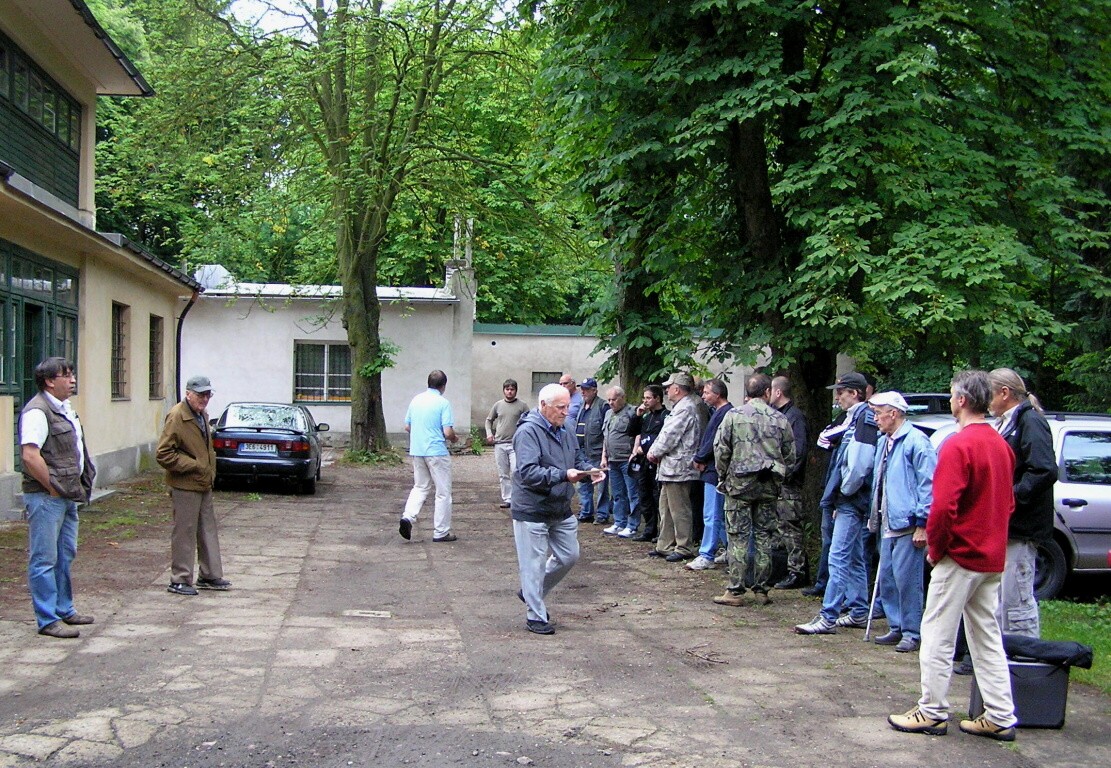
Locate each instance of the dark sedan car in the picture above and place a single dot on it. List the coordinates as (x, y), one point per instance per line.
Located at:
(268, 440)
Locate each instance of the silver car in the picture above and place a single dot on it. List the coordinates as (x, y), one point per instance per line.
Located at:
(1081, 499)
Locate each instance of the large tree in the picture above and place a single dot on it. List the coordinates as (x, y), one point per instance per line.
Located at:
(813, 178)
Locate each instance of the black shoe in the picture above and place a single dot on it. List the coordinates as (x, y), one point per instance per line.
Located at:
(539, 627)
(656, 553)
(181, 589)
(405, 528)
(646, 536)
(585, 518)
(603, 521)
(447, 537)
(793, 581)
(676, 557)
(504, 505)
(814, 592)
(891, 638)
(220, 584)
(964, 668)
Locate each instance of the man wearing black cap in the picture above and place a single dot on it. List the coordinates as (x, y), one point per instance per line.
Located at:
(185, 451)
(849, 492)
(588, 429)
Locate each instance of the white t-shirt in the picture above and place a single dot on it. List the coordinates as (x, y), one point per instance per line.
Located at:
(34, 429)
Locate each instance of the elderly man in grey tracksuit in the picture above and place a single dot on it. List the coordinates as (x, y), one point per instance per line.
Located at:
(549, 464)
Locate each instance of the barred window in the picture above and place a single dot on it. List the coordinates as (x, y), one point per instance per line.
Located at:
(542, 378)
(120, 331)
(156, 391)
(321, 372)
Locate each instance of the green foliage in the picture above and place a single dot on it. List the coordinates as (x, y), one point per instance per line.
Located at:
(387, 352)
(872, 177)
(385, 458)
(476, 440)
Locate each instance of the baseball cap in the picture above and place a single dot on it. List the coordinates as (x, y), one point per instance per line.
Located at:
(851, 380)
(589, 384)
(199, 384)
(682, 379)
(892, 399)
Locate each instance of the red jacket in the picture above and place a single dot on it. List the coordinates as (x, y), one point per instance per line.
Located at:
(973, 500)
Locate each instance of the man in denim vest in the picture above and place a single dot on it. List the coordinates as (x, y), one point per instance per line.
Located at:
(57, 475)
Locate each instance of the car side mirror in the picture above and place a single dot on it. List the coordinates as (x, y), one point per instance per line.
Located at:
(322, 427)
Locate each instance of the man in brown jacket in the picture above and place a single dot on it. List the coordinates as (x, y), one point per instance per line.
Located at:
(185, 451)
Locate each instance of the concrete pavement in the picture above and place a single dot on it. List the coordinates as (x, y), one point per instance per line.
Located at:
(340, 644)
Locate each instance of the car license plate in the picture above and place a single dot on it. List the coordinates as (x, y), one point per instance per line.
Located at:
(258, 448)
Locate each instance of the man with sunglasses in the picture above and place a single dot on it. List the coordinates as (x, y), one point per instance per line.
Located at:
(185, 451)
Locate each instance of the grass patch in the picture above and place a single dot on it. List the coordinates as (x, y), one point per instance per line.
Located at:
(390, 457)
(117, 525)
(1088, 623)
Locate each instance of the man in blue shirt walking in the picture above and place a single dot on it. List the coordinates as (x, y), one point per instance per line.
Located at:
(430, 425)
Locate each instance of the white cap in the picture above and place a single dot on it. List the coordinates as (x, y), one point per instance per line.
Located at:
(892, 399)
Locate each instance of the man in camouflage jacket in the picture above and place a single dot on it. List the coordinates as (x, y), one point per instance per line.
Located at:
(753, 450)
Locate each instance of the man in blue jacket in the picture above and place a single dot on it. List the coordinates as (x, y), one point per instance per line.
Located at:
(902, 491)
(549, 464)
(716, 395)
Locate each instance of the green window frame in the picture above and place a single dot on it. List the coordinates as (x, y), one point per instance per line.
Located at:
(321, 372)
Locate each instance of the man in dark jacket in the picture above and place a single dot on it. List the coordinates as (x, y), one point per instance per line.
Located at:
(646, 426)
(789, 508)
(589, 431)
(716, 396)
(1022, 425)
(57, 475)
(549, 463)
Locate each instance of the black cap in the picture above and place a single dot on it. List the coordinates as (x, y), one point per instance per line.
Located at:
(851, 380)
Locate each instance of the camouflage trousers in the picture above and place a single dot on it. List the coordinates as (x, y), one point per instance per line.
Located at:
(742, 519)
(789, 529)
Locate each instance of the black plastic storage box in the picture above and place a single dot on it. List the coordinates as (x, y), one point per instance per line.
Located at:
(1039, 690)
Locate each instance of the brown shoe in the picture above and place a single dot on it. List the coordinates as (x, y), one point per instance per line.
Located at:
(764, 598)
(77, 618)
(58, 629)
(729, 598)
(981, 726)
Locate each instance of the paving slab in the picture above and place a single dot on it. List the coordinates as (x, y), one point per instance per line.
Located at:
(341, 644)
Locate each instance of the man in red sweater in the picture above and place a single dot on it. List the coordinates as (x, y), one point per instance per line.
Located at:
(966, 536)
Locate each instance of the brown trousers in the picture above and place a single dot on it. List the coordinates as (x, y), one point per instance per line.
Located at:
(194, 534)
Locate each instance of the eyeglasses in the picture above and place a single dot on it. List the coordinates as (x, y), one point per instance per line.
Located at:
(202, 395)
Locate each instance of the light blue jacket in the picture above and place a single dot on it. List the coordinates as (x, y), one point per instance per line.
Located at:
(909, 481)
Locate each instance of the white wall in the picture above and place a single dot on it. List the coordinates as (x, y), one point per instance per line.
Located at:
(246, 347)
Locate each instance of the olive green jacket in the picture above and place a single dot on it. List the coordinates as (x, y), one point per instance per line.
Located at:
(185, 452)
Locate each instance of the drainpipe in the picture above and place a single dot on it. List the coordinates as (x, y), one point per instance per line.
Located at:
(177, 345)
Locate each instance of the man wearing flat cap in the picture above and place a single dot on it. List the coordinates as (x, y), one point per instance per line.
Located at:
(673, 452)
(848, 492)
(185, 451)
(902, 491)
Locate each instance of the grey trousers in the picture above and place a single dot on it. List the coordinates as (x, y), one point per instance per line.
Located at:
(546, 552)
(194, 535)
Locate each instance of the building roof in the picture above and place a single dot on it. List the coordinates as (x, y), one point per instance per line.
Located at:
(512, 329)
(71, 26)
(218, 282)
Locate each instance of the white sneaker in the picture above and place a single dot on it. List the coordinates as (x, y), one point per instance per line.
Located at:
(613, 530)
(722, 558)
(627, 533)
(700, 563)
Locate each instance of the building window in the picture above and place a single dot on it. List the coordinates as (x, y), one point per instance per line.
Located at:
(156, 391)
(321, 372)
(38, 96)
(120, 329)
(542, 378)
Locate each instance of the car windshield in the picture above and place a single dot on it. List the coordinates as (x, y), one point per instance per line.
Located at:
(257, 415)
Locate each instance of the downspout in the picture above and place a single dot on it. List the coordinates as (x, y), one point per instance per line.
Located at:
(177, 350)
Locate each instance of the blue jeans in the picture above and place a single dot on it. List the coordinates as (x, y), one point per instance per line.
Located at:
(623, 489)
(902, 569)
(586, 501)
(52, 541)
(545, 553)
(713, 521)
(827, 539)
(848, 575)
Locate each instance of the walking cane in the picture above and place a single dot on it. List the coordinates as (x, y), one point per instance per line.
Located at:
(872, 606)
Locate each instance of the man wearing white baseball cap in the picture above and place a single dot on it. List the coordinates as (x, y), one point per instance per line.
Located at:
(902, 490)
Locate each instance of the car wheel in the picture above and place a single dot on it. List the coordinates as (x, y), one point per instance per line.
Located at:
(308, 487)
(1050, 571)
